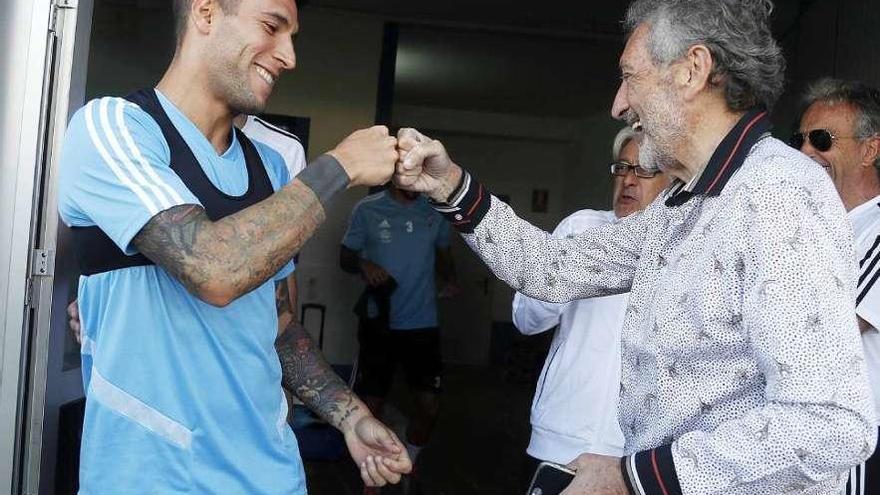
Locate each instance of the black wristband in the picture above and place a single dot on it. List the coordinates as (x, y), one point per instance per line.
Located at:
(325, 177)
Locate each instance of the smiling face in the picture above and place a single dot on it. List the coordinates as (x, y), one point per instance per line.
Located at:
(647, 101)
(632, 193)
(842, 161)
(248, 50)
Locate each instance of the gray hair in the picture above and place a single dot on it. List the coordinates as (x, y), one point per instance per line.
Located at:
(624, 135)
(748, 63)
(863, 97)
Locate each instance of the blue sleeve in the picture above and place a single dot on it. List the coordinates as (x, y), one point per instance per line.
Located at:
(356, 236)
(114, 171)
(279, 176)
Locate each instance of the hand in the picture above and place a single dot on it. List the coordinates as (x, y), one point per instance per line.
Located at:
(75, 328)
(596, 475)
(373, 274)
(425, 166)
(368, 156)
(377, 451)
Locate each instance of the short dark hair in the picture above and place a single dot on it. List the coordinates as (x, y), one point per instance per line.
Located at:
(181, 13)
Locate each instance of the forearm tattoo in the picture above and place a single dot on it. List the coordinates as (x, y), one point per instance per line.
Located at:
(240, 251)
(305, 373)
(282, 299)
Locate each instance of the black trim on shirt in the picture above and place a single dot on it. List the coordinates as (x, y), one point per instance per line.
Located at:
(654, 472)
(467, 206)
(727, 158)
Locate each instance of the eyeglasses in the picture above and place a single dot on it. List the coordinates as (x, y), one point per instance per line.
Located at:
(821, 139)
(622, 168)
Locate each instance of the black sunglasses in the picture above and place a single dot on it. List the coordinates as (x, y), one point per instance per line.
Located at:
(821, 139)
(622, 168)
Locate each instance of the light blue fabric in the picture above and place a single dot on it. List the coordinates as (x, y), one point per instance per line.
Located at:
(403, 239)
(182, 396)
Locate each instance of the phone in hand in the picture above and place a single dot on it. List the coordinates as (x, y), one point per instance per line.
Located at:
(550, 479)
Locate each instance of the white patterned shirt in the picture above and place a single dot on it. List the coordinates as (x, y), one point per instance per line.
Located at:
(742, 369)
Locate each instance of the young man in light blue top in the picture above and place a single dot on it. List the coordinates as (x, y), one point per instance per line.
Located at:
(393, 240)
(186, 226)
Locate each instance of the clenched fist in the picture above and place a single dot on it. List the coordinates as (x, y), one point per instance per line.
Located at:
(368, 156)
(425, 166)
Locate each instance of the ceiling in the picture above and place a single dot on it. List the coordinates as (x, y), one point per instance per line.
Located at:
(551, 58)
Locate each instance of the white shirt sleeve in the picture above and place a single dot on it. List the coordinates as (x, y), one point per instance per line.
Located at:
(533, 316)
(598, 262)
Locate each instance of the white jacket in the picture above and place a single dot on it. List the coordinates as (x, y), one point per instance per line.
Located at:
(575, 405)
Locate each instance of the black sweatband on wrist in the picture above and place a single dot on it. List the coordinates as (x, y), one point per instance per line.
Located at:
(325, 177)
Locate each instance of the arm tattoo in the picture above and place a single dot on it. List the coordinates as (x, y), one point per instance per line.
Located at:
(234, 254)
(305, 373)
(168, 239)
(282, 298)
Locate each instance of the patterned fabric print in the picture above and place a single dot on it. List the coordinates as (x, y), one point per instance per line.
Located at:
(740, 344)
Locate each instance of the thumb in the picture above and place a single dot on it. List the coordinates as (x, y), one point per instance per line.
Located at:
(386, 439)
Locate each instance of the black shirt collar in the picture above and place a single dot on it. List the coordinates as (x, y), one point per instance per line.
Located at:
(726, 160)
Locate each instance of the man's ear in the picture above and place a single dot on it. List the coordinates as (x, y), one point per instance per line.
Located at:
(202, 13)
(870, 151)
(694, 72)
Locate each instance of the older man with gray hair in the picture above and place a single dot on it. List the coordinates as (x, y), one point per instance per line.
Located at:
(840, 130)
(742, 371)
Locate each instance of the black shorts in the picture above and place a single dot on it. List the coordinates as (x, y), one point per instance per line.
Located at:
(382, 349)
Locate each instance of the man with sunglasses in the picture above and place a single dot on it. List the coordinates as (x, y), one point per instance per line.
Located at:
(840, 130)
(575, 405)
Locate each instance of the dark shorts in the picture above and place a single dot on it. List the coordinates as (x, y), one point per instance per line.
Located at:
(382, 350)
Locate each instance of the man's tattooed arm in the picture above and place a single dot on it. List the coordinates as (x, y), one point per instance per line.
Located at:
(219, 261)
(286, 314)
(305, 373)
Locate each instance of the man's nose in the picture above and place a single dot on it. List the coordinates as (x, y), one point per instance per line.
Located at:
(620, 105)
(630, 179)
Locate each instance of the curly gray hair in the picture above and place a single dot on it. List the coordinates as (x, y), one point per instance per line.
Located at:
(864, 98)
(748, 63)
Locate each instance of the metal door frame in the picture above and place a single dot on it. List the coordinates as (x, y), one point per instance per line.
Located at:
(44, 77)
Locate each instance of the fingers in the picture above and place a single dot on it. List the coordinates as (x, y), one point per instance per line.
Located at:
(402, 464)
(408, 138)
(370, 473)
(382, 438)
(416, 156)
(73, 314)
(390, 442)
(384, 470)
